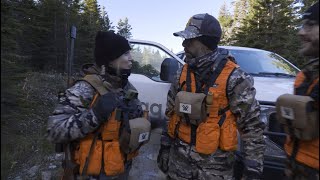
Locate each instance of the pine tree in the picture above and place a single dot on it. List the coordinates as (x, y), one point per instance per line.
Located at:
(305, 4)
(241, 10)
(124, 28)
(9, 27)
(90, 24)
(270, 25)
(39, 31)
(49, 35)
(226, 21)
(106, 23)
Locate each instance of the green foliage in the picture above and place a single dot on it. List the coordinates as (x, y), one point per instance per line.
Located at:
(265, 24)
(143, 58)
(106, 23)
(35, 37)
(226, 20)
(40, 30)
(124, 28)
(27, 106)
(305, 4)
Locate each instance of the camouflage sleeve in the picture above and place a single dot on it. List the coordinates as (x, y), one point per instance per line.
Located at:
(165, 138)
(72, 118)
(137, 106)
(136, 103)
(243, 104)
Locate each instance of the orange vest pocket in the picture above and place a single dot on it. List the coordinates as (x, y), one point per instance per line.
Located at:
(308, 152)
(228, 135)
(111, 130)
(184, 132)
(95, 159)
(113, 159)
(207, 140)
(172, 125)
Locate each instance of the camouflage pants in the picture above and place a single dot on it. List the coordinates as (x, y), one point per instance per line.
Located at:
(300, 172)
(186, 164)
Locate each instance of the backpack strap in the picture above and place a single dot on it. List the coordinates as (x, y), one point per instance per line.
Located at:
(188, 81)
(96, 82)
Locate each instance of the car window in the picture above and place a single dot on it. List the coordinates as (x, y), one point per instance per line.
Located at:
(181, 55)
(147, 60)
(262, 62)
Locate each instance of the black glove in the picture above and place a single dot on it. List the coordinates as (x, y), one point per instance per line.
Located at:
(105, 105)
(163, 158)
(238, 166)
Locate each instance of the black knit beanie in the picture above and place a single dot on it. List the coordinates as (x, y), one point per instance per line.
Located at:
(109, 46)
(210, 42)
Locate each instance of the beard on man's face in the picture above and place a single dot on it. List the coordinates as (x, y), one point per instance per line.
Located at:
(188, 54)
(309, 47)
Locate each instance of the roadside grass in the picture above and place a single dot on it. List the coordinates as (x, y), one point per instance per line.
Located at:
(27, 99)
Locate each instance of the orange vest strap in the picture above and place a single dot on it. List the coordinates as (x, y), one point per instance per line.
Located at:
(94, 99)
(299, 79)
(314, 83)
(187, 78)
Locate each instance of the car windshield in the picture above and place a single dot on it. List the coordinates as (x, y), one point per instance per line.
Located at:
(263, 63)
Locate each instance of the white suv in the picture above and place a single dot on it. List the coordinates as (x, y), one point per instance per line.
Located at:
(154, 66)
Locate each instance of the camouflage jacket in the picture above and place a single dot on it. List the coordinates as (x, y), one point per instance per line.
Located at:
(72, 119)
(241, 95)
(311, 69)
(311, 72)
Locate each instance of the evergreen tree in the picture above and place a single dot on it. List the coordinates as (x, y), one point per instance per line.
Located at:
(124, 28)
(305, 4)
(90, 24)
(10, 27)
(241, 10)
(106, 23)
(270, 25)
(49, 35)
(226, 21)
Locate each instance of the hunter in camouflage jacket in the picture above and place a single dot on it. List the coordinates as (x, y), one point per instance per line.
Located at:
(186, 163)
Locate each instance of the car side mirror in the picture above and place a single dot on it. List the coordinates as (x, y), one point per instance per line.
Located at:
(169, 68)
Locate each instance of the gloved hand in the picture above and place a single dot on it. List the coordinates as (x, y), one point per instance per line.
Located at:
(105, 105)
(238, 166)
(163, 158)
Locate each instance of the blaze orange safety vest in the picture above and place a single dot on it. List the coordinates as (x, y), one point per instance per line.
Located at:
(219, 129)
(308, 151)
(105, 152)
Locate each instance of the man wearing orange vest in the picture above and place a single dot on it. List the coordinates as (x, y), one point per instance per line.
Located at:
(93, 115)
(211, 100)
(303, 151)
